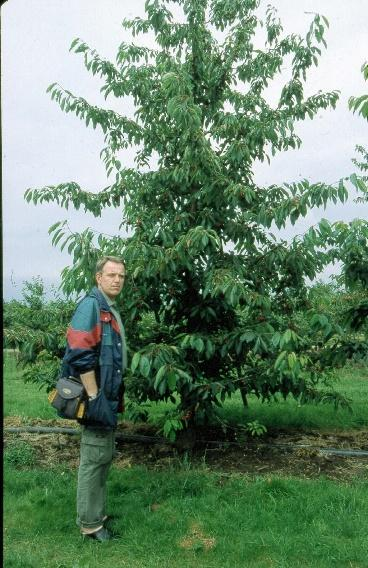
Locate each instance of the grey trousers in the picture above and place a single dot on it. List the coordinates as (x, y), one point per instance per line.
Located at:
(96, 454)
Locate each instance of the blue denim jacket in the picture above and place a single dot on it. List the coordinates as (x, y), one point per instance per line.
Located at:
(94, 343)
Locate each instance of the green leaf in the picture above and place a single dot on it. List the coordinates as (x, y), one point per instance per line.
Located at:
(248, 336)
(184, 375)
(50, 87)
(135, 361)
(292, 360)
(325, 227)
(74, 43)
(276, 339)
(199, 344)
(159, 376)
(280, 360)
(54, 226)
(144, 365)
(285, 338)
(171, 379)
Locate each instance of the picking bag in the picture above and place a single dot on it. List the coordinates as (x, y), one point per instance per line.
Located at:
(68, 398)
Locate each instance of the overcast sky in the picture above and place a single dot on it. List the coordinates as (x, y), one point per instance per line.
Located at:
(43, 146)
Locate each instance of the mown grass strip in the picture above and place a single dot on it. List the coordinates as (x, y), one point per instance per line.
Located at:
(188, 518)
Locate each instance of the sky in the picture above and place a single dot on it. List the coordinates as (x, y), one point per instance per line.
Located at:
(42, 146)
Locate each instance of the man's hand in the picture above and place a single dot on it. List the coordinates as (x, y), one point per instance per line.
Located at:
(89, 382)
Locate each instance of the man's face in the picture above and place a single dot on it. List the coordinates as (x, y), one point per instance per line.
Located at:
(111, 279)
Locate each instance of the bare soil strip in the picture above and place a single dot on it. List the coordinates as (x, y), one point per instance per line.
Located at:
(279, 453)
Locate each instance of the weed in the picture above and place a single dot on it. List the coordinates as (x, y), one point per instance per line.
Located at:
(255, 428)
(19, 454)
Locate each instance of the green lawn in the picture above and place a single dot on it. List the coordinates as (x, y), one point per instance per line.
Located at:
(352, 382)
(188, 518)
(22, 399)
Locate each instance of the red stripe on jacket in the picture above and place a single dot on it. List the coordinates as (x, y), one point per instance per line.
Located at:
(107, 316)
(78, 339)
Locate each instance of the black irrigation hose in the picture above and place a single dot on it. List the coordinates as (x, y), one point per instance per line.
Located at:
(75, 431)
(156, 439)
(290, 447)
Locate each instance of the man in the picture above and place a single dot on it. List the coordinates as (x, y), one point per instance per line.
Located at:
(96, 352)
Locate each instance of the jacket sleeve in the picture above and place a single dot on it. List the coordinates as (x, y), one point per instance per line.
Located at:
(84, 337)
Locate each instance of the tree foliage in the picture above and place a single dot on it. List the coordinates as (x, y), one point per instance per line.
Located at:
(356, 251)
(36, 328)
(360, 104)
(213, 299)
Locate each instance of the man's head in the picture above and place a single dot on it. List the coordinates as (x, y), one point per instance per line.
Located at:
(110, 275)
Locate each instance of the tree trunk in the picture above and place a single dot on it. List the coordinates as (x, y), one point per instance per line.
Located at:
(243, 392)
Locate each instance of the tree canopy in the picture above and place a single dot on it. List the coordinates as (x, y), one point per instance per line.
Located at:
(214, 297)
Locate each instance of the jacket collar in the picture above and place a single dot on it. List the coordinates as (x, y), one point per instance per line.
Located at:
(96, 293)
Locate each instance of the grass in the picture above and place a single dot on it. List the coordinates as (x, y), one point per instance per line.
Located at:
(352, 382)
(27, 401)
(188, 518)
(23, 399)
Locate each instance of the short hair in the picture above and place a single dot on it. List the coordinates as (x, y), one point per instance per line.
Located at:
(102, 261)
